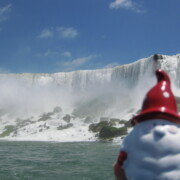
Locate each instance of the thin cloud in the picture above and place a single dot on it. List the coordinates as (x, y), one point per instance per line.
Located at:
(76, 63)
(54, 53)
(67, 54)
(4, 12)
(49, 53)
(112, 65)
(125, 4)
(121, 4)
(67, 32)
(46, 33)
(58, 32)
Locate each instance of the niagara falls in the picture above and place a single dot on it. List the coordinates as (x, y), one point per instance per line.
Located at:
(62, 106)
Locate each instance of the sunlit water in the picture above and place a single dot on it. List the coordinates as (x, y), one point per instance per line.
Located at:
(57, 161)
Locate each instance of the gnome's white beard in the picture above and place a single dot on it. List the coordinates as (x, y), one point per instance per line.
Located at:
(153, 149)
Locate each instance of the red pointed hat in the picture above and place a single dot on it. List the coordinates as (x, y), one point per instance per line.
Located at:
(159, 102)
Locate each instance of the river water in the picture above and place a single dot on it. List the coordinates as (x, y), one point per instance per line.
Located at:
(57, 161)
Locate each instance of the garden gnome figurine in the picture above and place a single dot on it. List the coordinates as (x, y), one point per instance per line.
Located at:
(151, 151)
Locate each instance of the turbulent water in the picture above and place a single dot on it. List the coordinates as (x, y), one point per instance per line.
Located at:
(57, 161)
(61, 106)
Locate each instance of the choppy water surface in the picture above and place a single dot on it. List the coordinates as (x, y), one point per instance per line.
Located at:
(57, 161)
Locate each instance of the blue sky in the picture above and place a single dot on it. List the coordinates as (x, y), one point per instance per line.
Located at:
(47, 36)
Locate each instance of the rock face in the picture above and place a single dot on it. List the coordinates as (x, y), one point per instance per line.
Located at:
(97, 127)
(67, 118)
(65, 126)
(8, 130)
(157, 56)
(105, 130)
(111, 132)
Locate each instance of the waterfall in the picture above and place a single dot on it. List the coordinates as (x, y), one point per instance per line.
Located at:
(83, 80)
(32, 103)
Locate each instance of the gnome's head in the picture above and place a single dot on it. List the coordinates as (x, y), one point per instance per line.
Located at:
(159, 102)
